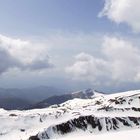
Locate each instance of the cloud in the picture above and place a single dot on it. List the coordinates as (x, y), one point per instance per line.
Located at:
(86, 67)
(123, 11)
(7, 61)
(24, 55)
(119, 61)
(39, 64)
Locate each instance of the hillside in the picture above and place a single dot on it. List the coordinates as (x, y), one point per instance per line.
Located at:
(101, 115)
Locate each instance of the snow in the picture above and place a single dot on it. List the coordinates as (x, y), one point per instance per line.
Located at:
(121, 135)
(20, 125)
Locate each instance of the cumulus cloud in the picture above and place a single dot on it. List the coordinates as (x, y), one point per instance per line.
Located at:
(24, 55)
(86, 67)
(7, 61)
(120, 62)
(123, 11)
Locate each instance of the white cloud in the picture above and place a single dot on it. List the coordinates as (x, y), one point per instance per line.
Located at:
(86, 67)
(123, 11)
(62, 46)
(22, 54)
(120, 62)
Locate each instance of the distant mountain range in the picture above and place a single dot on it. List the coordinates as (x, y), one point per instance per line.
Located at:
(38, 97)
(14, 98)
(10, 103)
(58, 99)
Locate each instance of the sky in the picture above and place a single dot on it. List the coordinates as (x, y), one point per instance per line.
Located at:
(73, 44)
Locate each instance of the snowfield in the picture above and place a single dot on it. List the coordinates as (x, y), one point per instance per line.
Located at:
(114, 116)
(122, 135)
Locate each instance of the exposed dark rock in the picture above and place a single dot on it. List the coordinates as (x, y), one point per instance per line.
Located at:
(12, 115)
(123, 120)
(22, 130)
(135, 120)
(34, 138)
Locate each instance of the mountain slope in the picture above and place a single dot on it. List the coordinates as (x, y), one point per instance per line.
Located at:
(84, 94)
(10, 103)
(125, 135)
(34, 94)
(99, 115)
(23, 98)
(90, 124)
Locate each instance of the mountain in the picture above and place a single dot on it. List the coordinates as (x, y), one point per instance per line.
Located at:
(39, 93)
(11, 103)
(83, 94)
(96, 117)
(120, 135)
(14, 98)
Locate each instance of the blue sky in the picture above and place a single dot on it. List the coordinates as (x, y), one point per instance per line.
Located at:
(38, 17)
(28, 17)
(68, 45)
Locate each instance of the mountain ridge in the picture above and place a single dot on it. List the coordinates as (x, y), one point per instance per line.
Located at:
(58, 99)
(100, 114)
(30, 96)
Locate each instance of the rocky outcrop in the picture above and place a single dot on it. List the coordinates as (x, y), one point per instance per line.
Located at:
(89, 123)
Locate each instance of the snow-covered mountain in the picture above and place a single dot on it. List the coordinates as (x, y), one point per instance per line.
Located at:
(58, 99)
(100, 115)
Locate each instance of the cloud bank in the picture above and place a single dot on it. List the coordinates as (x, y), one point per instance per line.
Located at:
(24, 55)
(123, 11)
(119, 61)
